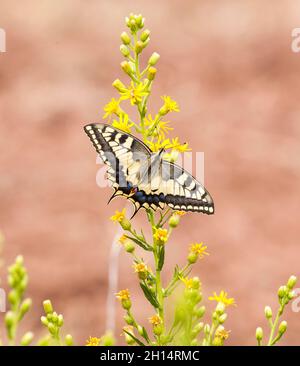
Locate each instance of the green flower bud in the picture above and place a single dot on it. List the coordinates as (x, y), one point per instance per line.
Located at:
(281, 292)
(197, 329)
(282, 327)
(128, 339)
(174, 219)
(196, 283)
(54, 317)
(51, 328)
(125, 38)
(291, 295)
(291, 282)
(139, 21)
(200, 312)
(151, 76)
(126, 67)
(222, 318)
(220, 308)
(9, 319)
(25, 307)
(20, 260)
(44, 321)
(128, 319)
(129, 246)
(145, 35)
(13, 297)
(26, 339)
(140, 330)
(119, 85)
(153, 59)
(108, 339)
(192, 257)
(139, 47)
(126, 304)
(60, 320)
(126, 224)
(268, 312)
(47, 306)
(259, 334)
(124, 50)
(158, 329)
(69, 340)
(206, 329)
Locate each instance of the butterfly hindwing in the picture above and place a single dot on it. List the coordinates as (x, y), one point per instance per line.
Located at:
(134, 175)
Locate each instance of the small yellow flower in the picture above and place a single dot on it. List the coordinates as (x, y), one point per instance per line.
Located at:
(156, 127)
(123, 123)
(188, 282)
(122, 240)
(134, 93)
(180, 213)
(159, 144)
(119, 216)
(123, 295)
(169, 105)
(199, 249)
(155, 320)
(161, 235)
(176, 145)
(112, 107)
(140, 268)
(222, 298)
(93, 341)
(222, 333)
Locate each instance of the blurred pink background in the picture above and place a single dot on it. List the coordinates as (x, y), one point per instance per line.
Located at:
(230, 66)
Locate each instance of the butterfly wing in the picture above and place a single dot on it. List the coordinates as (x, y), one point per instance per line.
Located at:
(124, 155)
(182, 191)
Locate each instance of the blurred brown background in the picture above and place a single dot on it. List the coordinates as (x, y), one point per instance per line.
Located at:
(230, 66)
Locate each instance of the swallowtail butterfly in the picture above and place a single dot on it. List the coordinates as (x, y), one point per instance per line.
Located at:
(143, 176)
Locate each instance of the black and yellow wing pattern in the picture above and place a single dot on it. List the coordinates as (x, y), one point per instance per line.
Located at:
(143, 177)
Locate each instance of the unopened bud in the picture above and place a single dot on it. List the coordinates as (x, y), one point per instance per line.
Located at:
(259, 334)
(126, 67)
(174, 219)
(282, 327)
(47, 306)
(291, 282)
(125, 38)
(26, 339)
(145, 35)
(151, 73)
(69, 340)
(124, 50)
(153, 59)
(268, 312)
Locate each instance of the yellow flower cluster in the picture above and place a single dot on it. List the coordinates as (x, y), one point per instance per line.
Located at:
(123, 295)
(93, 341)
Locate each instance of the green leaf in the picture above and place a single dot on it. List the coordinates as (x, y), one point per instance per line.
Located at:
(149, 296)
(161, 258)
(133, 337)
(140, 243)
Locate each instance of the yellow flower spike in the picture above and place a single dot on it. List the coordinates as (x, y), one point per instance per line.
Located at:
(112, 107)
(161, 235)
(93, 341)
(123, 123)
(119, 216)
(169, 105)
(222, 297)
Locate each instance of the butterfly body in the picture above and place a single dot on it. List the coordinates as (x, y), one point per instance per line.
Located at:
(143, 176)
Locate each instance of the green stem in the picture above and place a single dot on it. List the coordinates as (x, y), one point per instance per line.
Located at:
(275, 323)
